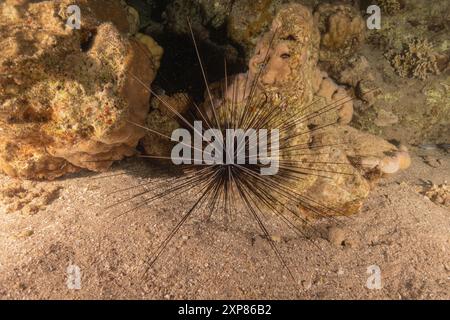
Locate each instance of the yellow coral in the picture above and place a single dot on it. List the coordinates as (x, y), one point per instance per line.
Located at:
(152, 46)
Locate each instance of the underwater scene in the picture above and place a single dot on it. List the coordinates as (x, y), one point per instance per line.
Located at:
(225, 149)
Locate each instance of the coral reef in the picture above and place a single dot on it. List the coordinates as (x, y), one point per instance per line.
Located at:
(216, 12)
(412, 101)
(245, 21)
(68, 96)
(291, 80)
(164, 121)
(420, 19)
(177, 14)
(248, 19)
(389, 6)
(417, 59)
(203, 15)
(343, 32)
(349, 57)
(341, 25)
(416, 114)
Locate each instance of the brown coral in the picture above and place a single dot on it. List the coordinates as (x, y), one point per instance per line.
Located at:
(248, 19)
(390, 6)
(292, 52)
(68, 96)
(416, 60)
(342, 29)
(439, 194)
(165, 122)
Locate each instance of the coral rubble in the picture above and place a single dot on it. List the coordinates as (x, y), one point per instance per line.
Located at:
(439, 194)
(390, 6)
(27, 197)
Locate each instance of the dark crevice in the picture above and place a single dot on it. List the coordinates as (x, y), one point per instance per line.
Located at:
(88, 42)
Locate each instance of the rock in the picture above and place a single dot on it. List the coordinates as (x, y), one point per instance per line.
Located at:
(176, 16)
(164, 121)
(204, 15)
(357, 70)
(385, 118)
(367, 91)
(248, 19)
(216, 12)
(432, 161)
(404, 158)
(69, 95)
(439, 194)
(336, 236)
(343, 31)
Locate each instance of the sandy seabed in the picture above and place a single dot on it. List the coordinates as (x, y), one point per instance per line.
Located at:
(399, 230)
